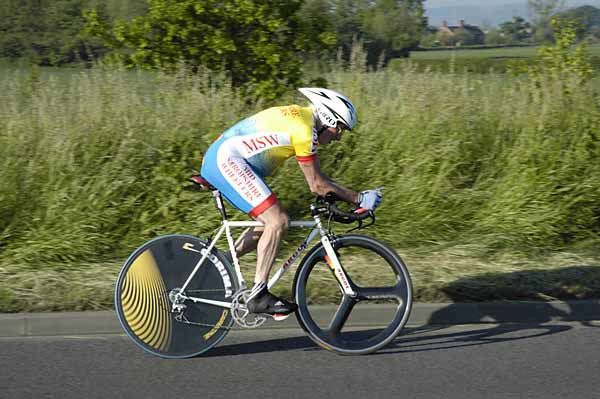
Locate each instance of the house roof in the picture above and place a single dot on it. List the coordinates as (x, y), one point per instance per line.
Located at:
(471, 28)
(462, 25)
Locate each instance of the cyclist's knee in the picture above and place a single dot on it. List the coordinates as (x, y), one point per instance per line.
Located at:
(275, 219)
(278, 223)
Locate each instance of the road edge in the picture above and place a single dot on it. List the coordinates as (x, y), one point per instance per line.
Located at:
(106, 322)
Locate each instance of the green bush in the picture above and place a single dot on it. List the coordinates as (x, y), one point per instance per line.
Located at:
(254, 41)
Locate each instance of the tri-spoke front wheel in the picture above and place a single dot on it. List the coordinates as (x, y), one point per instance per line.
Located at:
(357, 325)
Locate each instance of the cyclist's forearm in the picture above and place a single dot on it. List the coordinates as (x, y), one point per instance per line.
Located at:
(327, 185)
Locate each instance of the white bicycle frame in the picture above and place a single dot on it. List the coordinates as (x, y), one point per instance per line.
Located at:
(317, 228)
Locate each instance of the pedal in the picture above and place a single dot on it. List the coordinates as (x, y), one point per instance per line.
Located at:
(280, 316)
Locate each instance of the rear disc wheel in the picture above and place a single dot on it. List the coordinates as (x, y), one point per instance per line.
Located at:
(150, 283)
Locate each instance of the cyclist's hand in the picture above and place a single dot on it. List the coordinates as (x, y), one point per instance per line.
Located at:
(370, 199)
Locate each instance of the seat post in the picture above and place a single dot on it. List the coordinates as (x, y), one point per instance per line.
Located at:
(219, 203)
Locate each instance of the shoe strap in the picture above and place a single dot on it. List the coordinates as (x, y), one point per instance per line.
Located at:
(257, 289)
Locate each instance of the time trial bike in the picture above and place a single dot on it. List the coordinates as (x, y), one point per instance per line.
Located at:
(178, 296)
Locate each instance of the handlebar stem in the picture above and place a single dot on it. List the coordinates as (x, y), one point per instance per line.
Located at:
(315, 214)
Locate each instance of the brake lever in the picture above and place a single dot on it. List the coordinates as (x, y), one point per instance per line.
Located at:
(360, 223)
(360, 226)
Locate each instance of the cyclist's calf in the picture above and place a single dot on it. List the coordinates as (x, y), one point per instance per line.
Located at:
(276, 224)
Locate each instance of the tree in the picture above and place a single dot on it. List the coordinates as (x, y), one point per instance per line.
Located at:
(392, 28)
(316, 37)
(253, 40)
(495, 36)
(542, 12)
(587, 19)
(429, 39)
(48, 32)
(564, 58)
(544, 9)
(347, 19)
(461, 37)
(517, 29)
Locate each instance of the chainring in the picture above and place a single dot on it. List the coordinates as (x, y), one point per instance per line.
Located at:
(240, 313)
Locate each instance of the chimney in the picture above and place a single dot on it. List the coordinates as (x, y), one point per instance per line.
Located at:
(462, 23)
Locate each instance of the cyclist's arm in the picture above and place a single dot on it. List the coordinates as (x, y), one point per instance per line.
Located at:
(320, 184)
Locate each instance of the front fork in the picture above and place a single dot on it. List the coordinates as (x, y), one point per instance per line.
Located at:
(332, 259)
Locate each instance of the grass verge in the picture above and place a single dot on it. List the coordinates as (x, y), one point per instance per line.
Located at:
(439, 275)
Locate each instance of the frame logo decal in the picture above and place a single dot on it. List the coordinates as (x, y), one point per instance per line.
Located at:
(188, 246)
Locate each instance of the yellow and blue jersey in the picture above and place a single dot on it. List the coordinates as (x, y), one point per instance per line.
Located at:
(270, 137)
(255, 147)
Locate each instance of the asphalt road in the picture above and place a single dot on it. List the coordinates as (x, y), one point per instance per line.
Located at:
(473, 361)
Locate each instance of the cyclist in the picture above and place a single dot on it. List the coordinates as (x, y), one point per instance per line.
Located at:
(237, 162)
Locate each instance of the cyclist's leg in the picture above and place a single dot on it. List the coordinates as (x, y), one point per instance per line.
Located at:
(276, 223)
(246, 190)
(260, 299)
(265, 240)
(248, 241)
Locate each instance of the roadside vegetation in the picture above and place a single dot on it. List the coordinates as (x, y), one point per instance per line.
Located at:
(492, 182)
(502, 175)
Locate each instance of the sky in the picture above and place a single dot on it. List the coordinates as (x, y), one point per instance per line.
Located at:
(449, 3)
(484, 12)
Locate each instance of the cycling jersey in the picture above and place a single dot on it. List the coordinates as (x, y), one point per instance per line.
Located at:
(255, 147)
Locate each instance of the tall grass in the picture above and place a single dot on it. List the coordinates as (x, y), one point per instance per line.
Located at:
(94, 164)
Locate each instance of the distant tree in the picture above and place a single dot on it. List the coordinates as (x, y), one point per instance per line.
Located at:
(388, 28)
(496, 37)
(430, 39)
(544, 9)
(47, 32)
(392, 28)
(587, 19)
(594, 33)
(317, 39)
(255, 41)
(347, 19)
(465, 38)
(460, 37)
(517, 30)
(542, 12)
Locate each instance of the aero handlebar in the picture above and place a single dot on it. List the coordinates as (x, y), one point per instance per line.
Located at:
(357, 215)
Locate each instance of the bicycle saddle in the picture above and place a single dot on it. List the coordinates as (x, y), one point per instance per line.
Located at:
(202, 183)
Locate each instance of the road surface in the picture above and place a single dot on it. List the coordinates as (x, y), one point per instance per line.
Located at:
(560, 360)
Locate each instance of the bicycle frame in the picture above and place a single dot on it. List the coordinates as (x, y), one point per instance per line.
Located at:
(317, 228)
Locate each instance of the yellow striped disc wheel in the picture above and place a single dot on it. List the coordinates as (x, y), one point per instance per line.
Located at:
(145, 288)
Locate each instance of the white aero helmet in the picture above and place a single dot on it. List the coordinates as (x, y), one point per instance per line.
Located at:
(331, 106)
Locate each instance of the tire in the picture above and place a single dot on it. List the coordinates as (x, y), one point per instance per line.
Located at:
(142, 298)
(365, 260)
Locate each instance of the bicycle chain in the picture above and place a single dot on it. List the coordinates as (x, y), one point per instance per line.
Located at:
(186, 321)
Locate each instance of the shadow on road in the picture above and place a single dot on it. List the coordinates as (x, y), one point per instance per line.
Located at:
(568, 283)
(427, 338)
(531, 312)
(265, 346)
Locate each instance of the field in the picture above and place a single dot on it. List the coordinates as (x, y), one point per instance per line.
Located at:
(496, 53)
(492, 183)
(480, 60)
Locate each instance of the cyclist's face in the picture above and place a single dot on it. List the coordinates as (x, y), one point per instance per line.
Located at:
(331, 134)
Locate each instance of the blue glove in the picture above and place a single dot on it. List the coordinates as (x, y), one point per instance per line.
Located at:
(370, 199)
